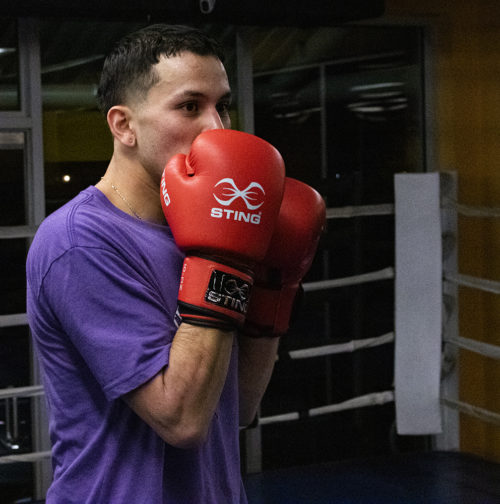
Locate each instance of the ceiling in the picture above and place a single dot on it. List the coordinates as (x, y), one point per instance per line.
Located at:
(254, 12)
(73, 49)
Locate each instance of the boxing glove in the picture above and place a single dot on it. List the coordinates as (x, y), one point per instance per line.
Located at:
(221, 202)
(292, 249)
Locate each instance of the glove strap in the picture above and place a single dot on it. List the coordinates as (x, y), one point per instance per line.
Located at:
(270, 311)
(213, 294)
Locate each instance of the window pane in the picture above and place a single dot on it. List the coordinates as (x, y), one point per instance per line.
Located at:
(373, 130)
(77, 141)
(12, 201)
(13, 274)
(15, 368)
(9, 66)
(344, 107)
(360, 245)
(15, 371)
(288, 114)
(16, 480)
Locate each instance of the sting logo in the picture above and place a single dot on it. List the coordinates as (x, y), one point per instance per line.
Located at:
(231, 192)
(252, 196)
(228, 291)
(166, 197)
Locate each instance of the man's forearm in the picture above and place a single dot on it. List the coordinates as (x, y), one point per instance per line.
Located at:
(180, 401)
(257, 357)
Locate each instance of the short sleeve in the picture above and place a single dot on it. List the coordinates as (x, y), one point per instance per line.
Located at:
(113, 314)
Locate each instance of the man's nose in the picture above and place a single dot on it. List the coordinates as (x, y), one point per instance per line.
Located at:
(212, 120)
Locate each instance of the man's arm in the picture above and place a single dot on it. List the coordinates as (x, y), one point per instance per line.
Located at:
(276, 290)
(257, 357)
(179, 402)
(216, 275)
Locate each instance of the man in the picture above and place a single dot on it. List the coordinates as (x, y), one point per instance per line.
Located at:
(145, 400)
(143, 407)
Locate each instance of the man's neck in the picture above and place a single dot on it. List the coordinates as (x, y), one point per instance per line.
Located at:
(130, 189)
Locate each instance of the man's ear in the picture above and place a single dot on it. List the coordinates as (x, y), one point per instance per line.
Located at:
(119, 124)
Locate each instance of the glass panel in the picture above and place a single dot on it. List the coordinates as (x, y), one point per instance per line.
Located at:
(15, 369)
(77, 142)
(360, 245)
(13, 273)
(288, 114)
(373, 130)
(12, 201)
(344, 107)
(344, 435)
(16, 483)
(16, 480)
(9, 65)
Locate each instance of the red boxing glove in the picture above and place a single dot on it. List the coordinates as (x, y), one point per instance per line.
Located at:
(291, 252)
(221, 202)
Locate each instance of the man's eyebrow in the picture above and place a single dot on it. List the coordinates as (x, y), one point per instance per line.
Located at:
(226, 96)
(198, 94)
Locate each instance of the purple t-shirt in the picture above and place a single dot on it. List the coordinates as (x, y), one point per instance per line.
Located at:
(102, 303)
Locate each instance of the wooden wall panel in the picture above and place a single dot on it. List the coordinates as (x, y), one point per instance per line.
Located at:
(465, 42)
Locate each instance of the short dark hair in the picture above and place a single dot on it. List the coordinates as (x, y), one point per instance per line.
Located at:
(128, 69)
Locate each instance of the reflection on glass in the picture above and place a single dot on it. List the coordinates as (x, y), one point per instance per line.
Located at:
(15, 370)
(373, 130)
(13, 274)
(344, 109)
(77, 142)
(344, 106)
(12, 204)
(9, 66)
(16, 482)
(288, 114)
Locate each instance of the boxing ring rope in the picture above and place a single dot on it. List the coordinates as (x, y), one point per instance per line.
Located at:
(383, 274)
(25, 457)
(14, 392)
(484, 349)
(473, 282)
(17, 393)
(486, 285)
(15, 319)
(471, 410)
(14, 232)
(469, 210)
(368, 400)
(379, 398)
(336, 348)
(374, 399)
(349, 212)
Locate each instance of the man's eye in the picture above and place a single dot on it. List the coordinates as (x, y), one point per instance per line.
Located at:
(223, 108)
(190, 107)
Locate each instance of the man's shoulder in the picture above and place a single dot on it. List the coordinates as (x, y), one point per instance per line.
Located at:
(60, 224)
(60, 231)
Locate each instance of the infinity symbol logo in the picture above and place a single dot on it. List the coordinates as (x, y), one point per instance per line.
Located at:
(232, 288)
(249, 195)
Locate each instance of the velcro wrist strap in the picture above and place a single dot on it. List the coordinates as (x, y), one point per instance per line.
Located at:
(214, 288)
(285, 308)
(270, 309)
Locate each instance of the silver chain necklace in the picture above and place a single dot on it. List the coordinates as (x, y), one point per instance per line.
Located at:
(130, 207)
